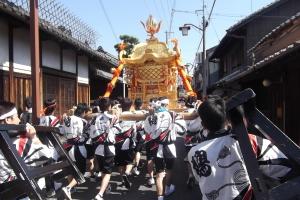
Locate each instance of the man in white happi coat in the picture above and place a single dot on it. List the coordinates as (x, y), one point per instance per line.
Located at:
(72, 128)
(28, 146)
(125, 144)
(140, 135)
(218, 163)
(192, 138)
(102, 129)
(163, 126)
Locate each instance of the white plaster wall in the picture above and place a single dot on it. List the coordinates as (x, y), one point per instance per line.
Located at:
(83, 67)
(51, 54)
(3, 42)
(69, 61)
(21, 47)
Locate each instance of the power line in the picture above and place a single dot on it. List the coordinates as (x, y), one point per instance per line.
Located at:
(147, 7)
(174, 4)
(236, 20)
(159, 16)
(157, 9)
(169, 8)
(164, 12)
(107, 18)
(198, 50)
(210, 22)
(211, 10)
(215, 31)
(171, 21)
(205, 22)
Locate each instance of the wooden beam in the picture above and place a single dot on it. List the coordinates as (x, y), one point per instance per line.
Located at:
(35, 60)
(41, 87)
(141, 117)
(11, 62)
(76, 83)
(60, 97)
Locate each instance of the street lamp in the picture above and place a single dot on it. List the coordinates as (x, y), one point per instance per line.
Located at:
(184, 30)
(187, 67)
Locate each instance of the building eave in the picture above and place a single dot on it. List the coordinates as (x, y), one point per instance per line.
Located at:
(23, 15)
(279, 29)
(237, 75)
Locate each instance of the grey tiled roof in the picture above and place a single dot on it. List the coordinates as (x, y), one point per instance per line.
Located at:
(253, 15)
(247, 70)
(276, 54)
(275, 31)
(23, 14)
(233, 75)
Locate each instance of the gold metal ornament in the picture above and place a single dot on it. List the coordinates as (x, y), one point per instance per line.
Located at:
(151, 26)
(152, 69)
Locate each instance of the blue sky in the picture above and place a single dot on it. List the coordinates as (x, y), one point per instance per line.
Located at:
(125, 17)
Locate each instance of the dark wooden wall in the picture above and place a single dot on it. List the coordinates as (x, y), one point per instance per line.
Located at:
(292, 100)
(264, 24)
(98, 87)
(23, 89)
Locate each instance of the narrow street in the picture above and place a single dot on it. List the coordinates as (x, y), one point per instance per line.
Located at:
(139, 190)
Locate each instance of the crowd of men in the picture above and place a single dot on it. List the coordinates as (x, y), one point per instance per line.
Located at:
(214, 159)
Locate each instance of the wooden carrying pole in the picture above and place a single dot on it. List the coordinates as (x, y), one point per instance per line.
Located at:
(141, 117)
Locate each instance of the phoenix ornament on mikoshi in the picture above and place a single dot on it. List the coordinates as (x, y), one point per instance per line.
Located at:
(151, 26)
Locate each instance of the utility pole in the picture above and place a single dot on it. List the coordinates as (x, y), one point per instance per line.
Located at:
(167, 36)
(204, 58)
(184, 30)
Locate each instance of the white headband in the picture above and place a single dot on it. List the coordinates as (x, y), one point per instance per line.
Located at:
(10, 113)
(165, 101)
(155, 104)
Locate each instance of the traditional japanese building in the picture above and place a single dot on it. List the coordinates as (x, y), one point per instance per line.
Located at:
(261, 52)
(69, 62)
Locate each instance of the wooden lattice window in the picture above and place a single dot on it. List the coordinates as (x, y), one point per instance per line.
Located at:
(63, 90)
(67, 100)
(151, 71)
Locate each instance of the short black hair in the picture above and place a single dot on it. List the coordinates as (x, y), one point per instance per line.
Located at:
(95, 103)
(213, 114)
(113, 102)
(119, 98)
(213, 96)
(48, 103)
(28, 102)
(81, 107)
(104, 104)
(5, 107)
(189, 101)
(126, 103)
(154, 99)
(138, 102)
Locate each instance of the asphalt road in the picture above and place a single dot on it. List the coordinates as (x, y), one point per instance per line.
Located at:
(139, 190)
